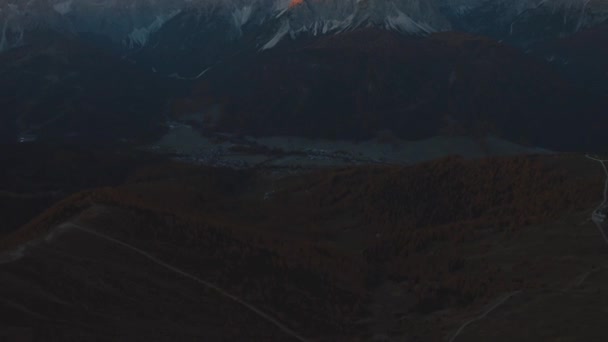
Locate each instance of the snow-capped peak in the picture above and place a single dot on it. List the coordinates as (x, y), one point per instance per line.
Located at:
(140, 35)
(313, 17)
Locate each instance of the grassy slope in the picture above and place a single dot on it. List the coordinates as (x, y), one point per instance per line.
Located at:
(359, 251)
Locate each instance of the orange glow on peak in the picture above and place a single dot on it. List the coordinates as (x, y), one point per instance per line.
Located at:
(295, 3)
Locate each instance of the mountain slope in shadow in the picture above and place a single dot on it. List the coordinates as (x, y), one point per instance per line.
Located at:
(59, 87)
(335, 255)
(449, 83)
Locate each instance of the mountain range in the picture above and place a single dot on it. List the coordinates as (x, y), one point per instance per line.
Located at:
(185, 37)
(323, 170)
(132, 22)
(319, 68)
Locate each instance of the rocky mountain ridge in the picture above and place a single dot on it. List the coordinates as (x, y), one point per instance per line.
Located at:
(131, 24)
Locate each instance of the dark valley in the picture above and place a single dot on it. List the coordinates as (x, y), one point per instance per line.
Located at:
(312, 170)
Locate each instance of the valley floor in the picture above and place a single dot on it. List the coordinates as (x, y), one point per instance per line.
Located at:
(189, 145)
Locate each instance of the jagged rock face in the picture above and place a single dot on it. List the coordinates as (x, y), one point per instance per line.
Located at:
(127, 22)
(411, 16)
(202, 36)
(525, 22)
(132, 22)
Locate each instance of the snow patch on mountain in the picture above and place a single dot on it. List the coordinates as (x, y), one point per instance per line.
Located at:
(12, 30)
(324, 26)
(309, 17)
(139, 36)
(242, 15)
(282, 32)
(403, 22)
(280, 7)
(63, 8)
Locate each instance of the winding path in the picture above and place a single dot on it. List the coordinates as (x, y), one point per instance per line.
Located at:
(500, 302)
(207, 284)
(595, 215)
